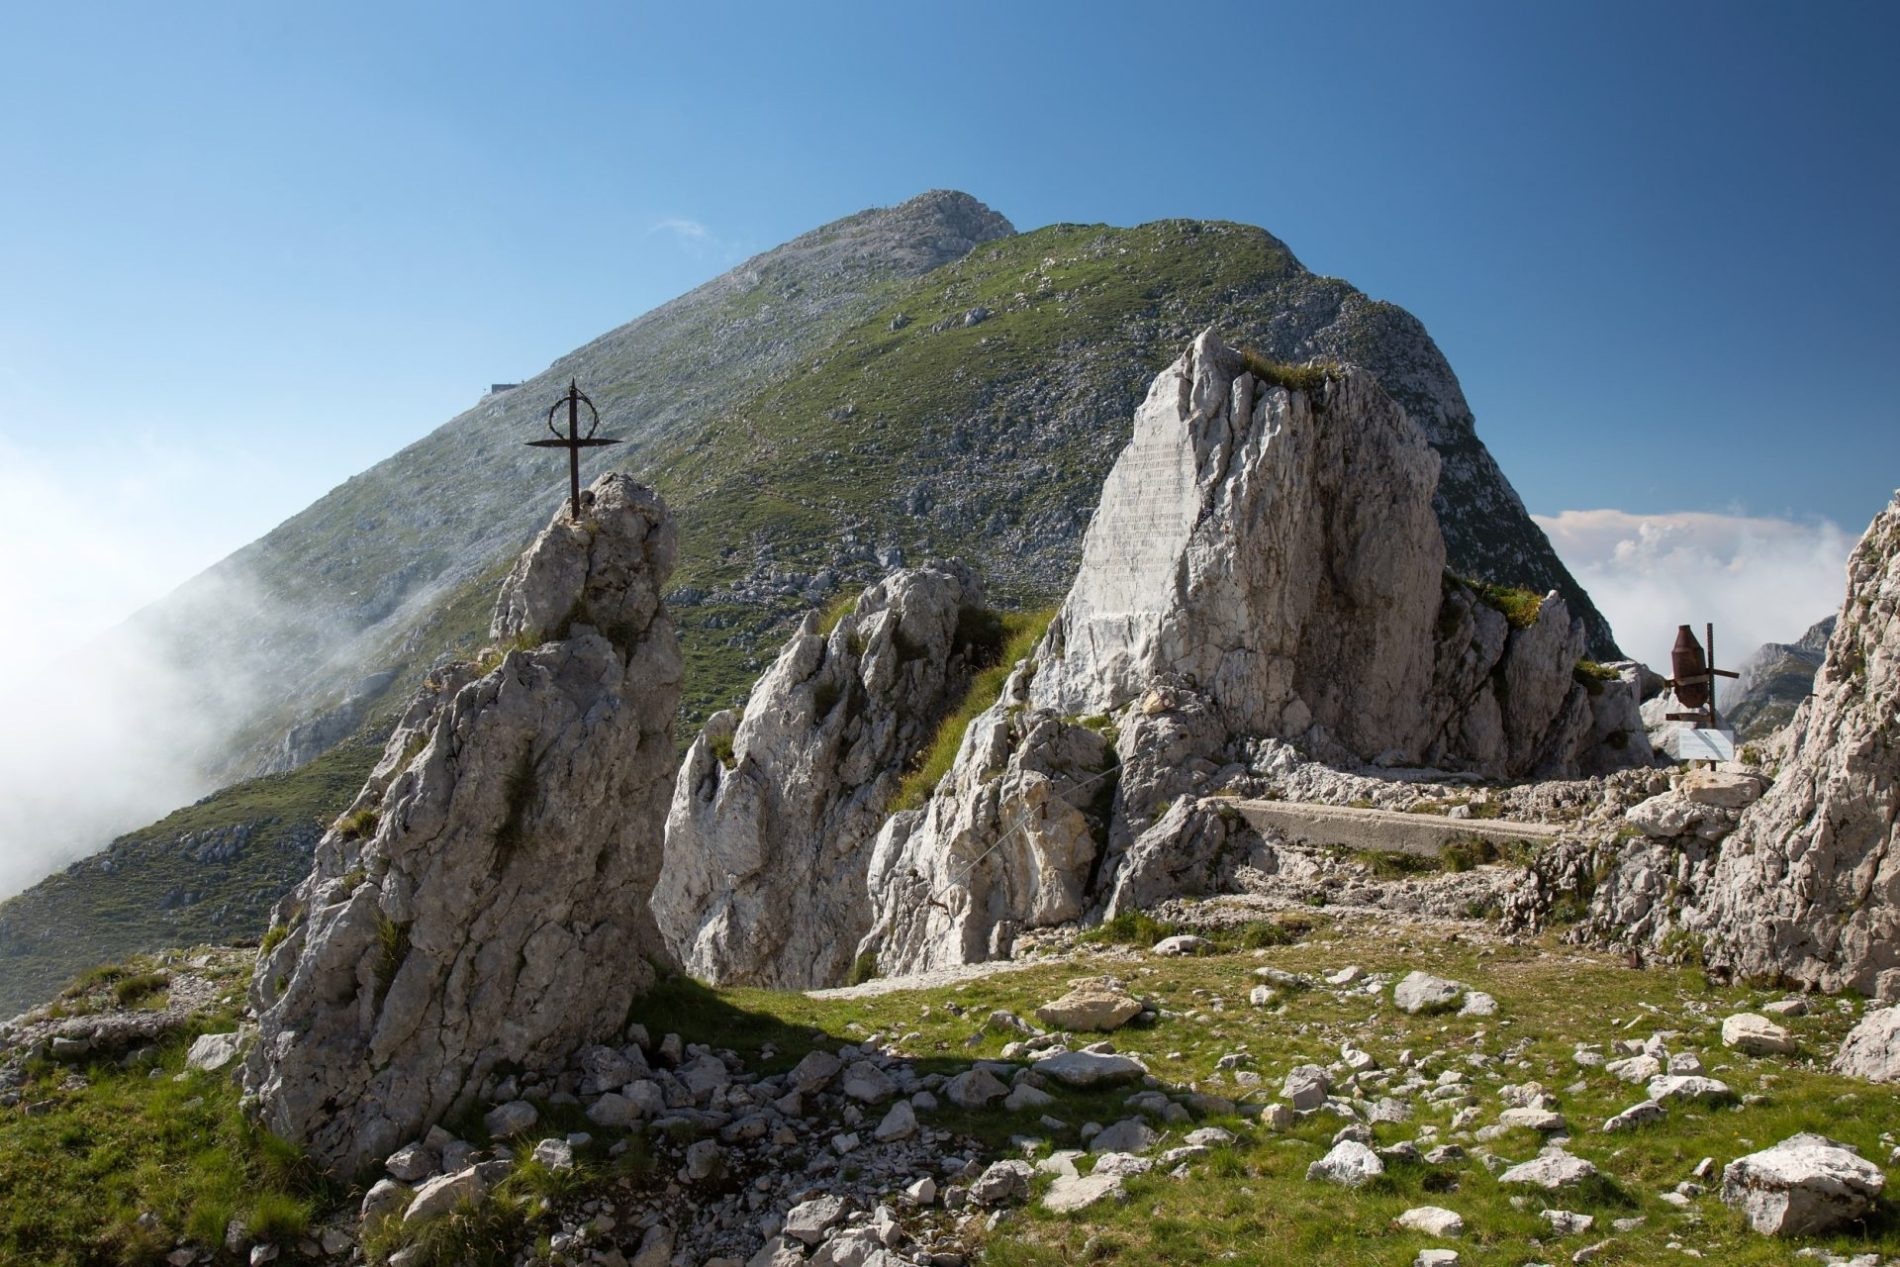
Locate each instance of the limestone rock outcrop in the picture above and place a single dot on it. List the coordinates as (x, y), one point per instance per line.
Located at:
(1265, 564)
(485, 900)
(774, 811)
(1276, 550)
(1808, 886)
(1008, 842)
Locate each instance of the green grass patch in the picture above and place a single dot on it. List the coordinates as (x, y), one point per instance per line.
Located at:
(80, 1170)
(1310, 379)
(134, 990)
(836, 610)
(1015, 636)
(1396, 864)
(360, 825)
(1520, 607)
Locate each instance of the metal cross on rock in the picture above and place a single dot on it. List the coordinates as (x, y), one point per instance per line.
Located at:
(573, 441)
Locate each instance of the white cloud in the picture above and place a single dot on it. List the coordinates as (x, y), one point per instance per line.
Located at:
(692, 230)
(1758, 579)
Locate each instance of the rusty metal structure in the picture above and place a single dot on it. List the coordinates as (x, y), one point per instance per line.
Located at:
(1694, 675)
(574, 441)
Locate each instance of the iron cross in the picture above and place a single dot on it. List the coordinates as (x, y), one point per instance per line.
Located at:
(573, 441)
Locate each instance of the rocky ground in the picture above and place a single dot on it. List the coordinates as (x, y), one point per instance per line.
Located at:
(1375, 1090)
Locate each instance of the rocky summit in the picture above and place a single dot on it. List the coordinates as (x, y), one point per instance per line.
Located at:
(483, 904)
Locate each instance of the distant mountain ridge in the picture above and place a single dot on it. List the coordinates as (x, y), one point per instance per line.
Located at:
(1774, 680)
(904, 383)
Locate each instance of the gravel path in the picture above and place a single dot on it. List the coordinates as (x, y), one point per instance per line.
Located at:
(931, 980)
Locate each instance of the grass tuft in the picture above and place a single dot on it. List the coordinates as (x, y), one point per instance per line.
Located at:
(1020, 632)
(1310, 379)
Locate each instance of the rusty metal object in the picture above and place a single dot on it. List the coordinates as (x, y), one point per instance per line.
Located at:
(1689, 669)
(1694, 680)
(574, 441)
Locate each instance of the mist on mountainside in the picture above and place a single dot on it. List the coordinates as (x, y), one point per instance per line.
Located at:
(101, 737)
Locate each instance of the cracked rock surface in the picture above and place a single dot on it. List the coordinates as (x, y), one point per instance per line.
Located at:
(1808, 886)
(485, 899)
(774, 811)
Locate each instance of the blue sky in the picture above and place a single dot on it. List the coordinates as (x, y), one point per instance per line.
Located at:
(247, 250)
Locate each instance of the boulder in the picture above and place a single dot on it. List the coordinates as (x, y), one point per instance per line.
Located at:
(1078, 1192)
(1003, 1183)
(1640, 1113)
(1432, 1220)
(866, 1083)
(1872, 1049)
(1422, 992)
(1130, 1135)
(517, 1117)
(1754, 1035)
(441, 1195)
(1688, 1087)
(1807, 889)
(775, 810)
(1544, 1121)
(1804, 1186)
(1090, 1007)
(1673, 814)
(1349, 1162)
(1551, 1170)
(484, 900)
(1183, 944)
(210, 1052)
(899, 1123)
(815, 1071)
(1088, 1069)
(808, 1221)
(1306, 1087)
(411, 1164)
(974, 1089)
(1719, 788)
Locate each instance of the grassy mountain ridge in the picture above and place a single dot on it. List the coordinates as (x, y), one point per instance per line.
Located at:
(972, 408)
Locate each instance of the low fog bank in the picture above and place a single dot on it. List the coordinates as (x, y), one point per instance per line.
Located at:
(1759, 579)
(102, 737)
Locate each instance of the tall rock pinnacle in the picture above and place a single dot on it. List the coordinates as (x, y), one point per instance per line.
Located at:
(485, 900)
(1808, 887)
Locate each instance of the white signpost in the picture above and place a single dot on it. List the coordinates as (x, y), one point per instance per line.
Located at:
(1698, 743)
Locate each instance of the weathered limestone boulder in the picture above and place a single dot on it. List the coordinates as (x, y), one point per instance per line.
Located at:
(774, 812)
(1091, 1005)
(1349, 1162)
(485, 899)
(1808, 886)
(1755, 1035)
(1871, 1049)
(1805, 1185)
(1423, 992)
